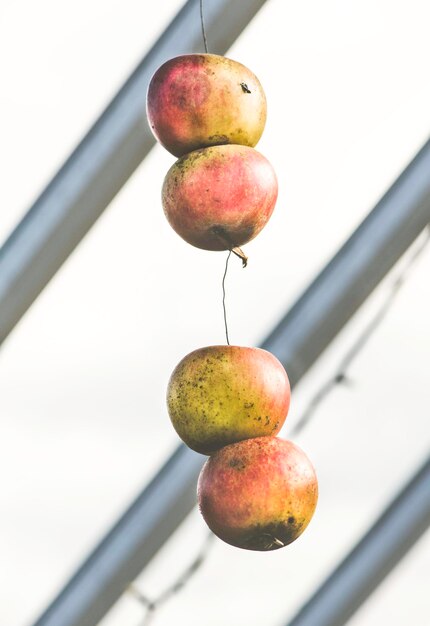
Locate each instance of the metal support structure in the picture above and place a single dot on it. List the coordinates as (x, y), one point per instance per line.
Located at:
(102, 163)
(376, 554)
(131, 543)
(353, 273)
(301, 336)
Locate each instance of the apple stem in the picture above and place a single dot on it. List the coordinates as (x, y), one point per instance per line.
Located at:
(221, 234)
(240, 253)
(278, 542)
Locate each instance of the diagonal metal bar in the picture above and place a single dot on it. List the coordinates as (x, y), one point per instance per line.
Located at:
(350, 277)
(102, 162)
(131, 543)
(306, 330)
(376, 554)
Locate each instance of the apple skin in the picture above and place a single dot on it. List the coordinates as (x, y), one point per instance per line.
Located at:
(198, 100)
(220, 197)
(258, 494)
(218, 395)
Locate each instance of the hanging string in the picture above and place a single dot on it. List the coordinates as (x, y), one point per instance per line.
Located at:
(205, 41)
(223, 297)
(341, 374)
(152, 605)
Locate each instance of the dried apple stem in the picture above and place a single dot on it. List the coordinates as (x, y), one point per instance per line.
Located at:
(221, 234)
(240, 253)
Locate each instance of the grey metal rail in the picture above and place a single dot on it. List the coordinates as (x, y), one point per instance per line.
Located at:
(301, 336)
(375, 555)
(349, 278)
(102, 162)
(130, 545)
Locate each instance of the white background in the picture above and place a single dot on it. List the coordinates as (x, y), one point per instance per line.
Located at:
(83, 423)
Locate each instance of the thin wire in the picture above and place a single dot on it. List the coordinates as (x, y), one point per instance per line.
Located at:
(223, 297)
(341, 375)
(205, 41)
(152, 605)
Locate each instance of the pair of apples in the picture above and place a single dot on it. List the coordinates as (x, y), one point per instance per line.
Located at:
(256, 491)
(210, 111)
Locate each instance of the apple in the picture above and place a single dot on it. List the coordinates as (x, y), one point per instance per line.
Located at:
(199, 100)
(258, 494)
(218, 395)
(220, 197)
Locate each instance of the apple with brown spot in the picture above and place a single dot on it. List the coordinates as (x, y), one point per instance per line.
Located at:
(199, 100)
(220, 197)
(221, 394)
(258, 494)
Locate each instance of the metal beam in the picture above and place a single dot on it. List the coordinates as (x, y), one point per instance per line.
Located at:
(305, 331)
(102, 162)
(131, 544)
(376, 554)
(351, 276)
